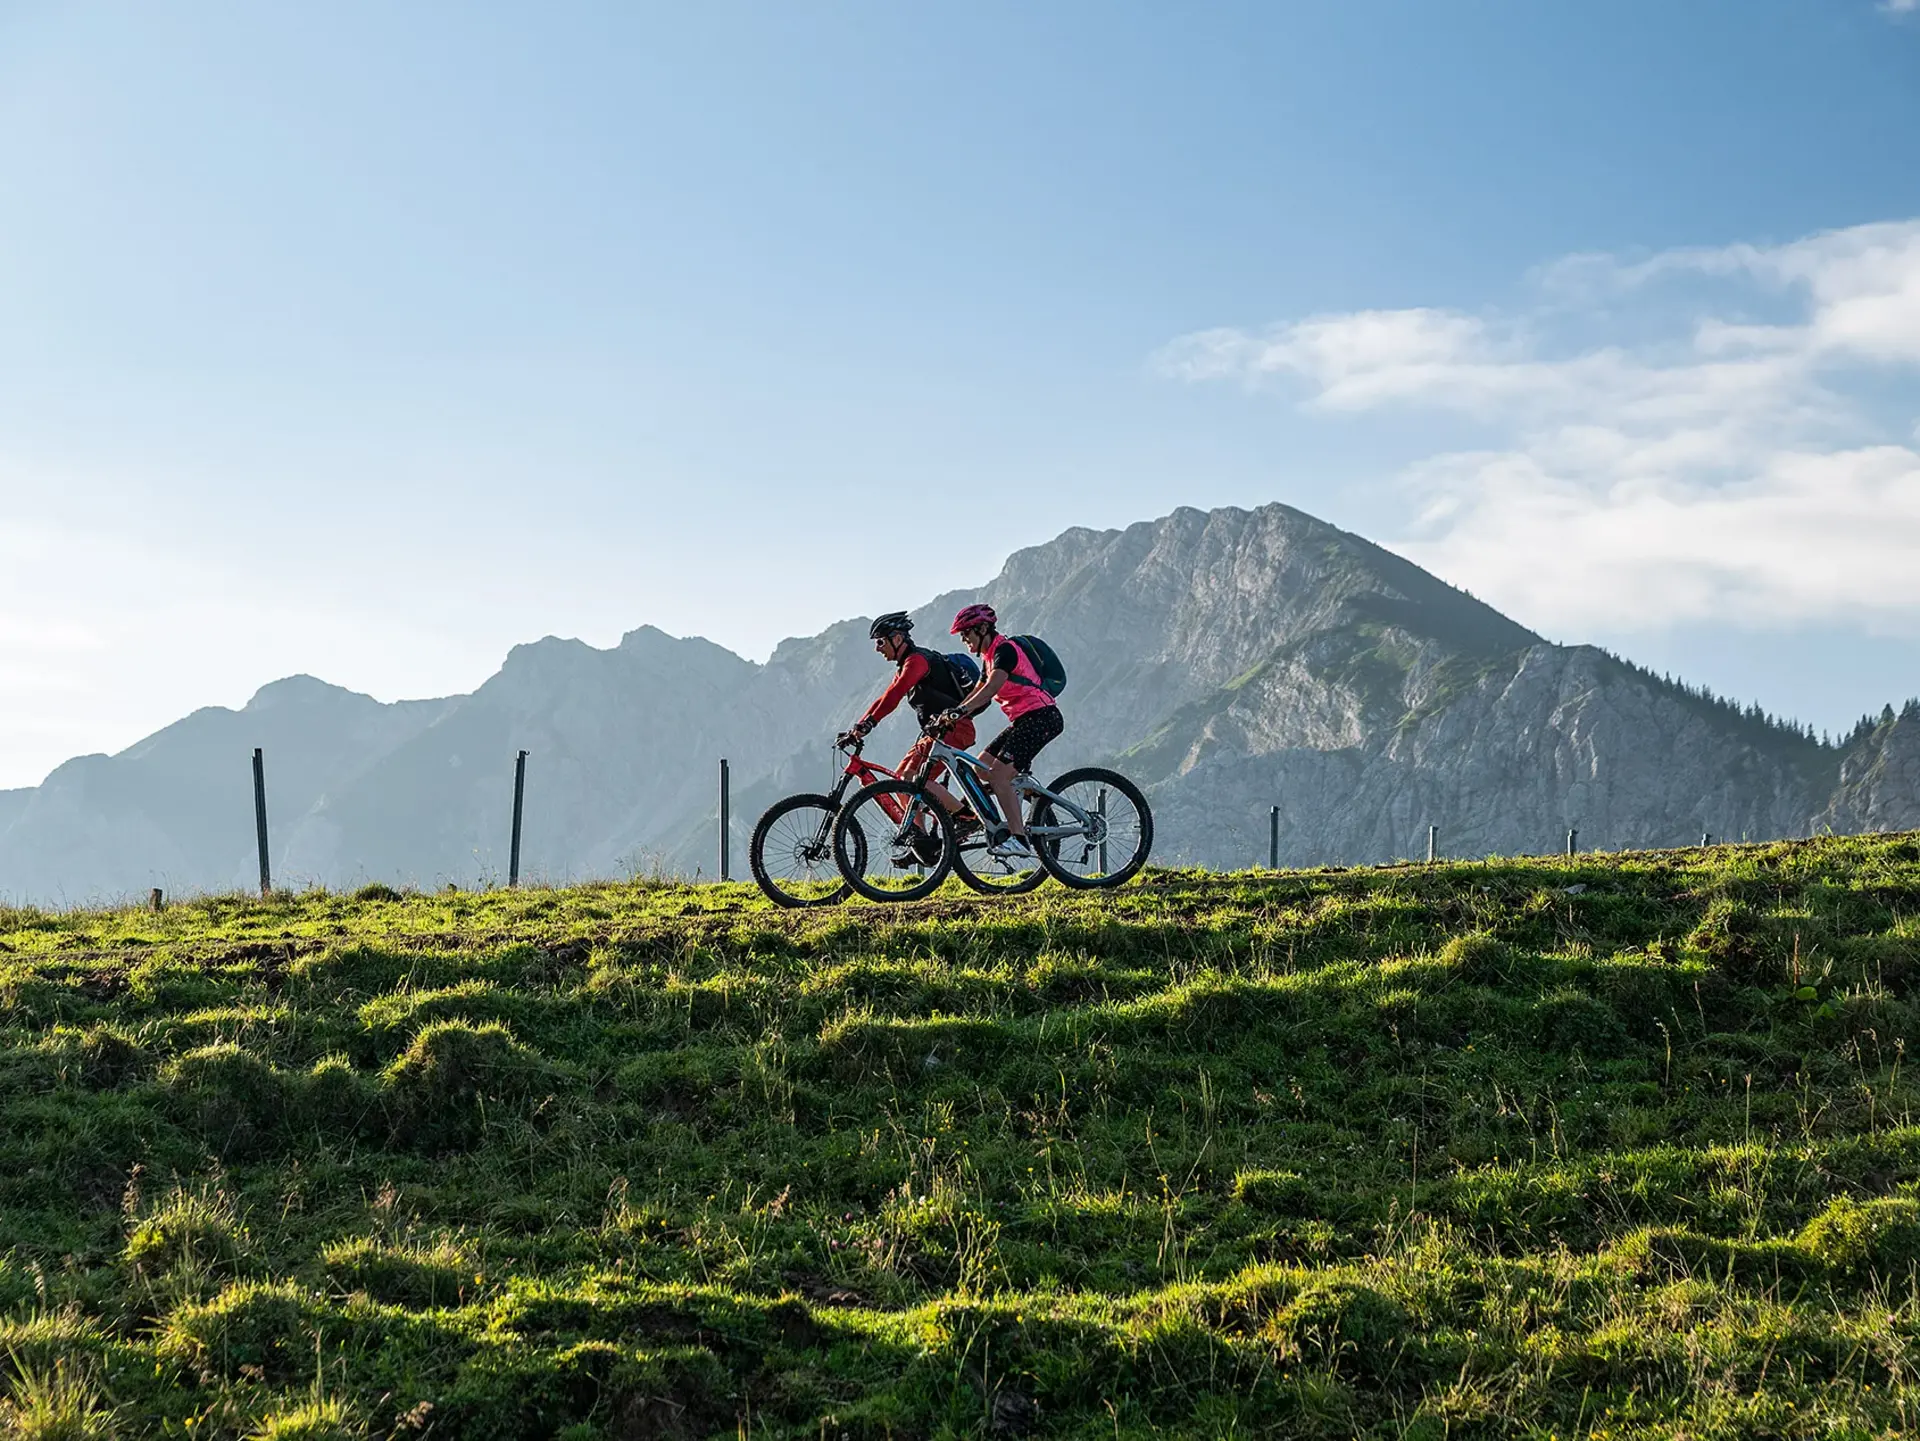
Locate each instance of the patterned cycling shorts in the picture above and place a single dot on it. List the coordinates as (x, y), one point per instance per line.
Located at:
(1020, 742)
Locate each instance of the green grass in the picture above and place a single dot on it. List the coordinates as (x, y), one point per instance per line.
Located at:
(1615, 1146)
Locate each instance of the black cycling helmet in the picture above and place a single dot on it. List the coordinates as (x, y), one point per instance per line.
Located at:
(895, 622)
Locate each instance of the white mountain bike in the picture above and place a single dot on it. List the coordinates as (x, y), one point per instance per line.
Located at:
(1091, 828)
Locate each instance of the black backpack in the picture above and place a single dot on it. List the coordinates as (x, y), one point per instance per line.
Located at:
(950, 679)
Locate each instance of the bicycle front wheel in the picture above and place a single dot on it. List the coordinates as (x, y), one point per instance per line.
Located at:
(1097, 833)
(892, 842)
(792, 853)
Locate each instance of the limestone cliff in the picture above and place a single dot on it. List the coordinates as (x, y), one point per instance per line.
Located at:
(1879, 787)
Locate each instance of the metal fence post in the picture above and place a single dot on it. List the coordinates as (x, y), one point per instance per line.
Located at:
(260, 819)
(1705, 839)
(1573, 841)
(519, 793)
(1433, 842)
(1273, 838)
(726, 806)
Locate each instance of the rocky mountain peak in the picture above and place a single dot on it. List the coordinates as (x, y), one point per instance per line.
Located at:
(301, 690)
(1232, 660)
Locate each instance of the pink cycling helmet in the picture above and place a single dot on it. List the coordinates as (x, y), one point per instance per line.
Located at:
(972, 616)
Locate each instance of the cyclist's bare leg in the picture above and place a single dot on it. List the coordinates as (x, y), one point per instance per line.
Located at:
(1000, 775)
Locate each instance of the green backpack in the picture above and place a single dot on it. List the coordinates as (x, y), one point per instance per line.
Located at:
(1046, 665)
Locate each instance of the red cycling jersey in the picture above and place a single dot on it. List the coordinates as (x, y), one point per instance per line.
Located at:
(912, 671)
(910, 674)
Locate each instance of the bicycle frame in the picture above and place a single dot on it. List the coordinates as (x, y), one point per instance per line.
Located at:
(970, 772)
(1066, 820)
(864, 771)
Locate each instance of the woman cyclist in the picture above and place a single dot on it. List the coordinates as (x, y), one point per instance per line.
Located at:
(1009, 677)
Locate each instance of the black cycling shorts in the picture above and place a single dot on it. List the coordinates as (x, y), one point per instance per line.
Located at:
(1020, 742)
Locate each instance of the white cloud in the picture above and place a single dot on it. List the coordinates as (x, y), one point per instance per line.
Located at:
(1736, 460)
(1809, 535)
(1899, 7)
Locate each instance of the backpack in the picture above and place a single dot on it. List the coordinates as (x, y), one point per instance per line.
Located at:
(962, 674)
(964, 669)
(1046, 665)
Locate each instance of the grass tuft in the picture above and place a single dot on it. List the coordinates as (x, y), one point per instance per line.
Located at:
(441, 1089)
(316, 1420)
(56, 1403)
(419, 1277)
(230, 1097)
(199, 1229)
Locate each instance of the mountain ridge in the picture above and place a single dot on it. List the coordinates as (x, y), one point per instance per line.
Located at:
(1232, 659)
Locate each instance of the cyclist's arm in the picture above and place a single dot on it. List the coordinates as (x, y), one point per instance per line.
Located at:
(997, 675)
(982, 695)
(911, 674)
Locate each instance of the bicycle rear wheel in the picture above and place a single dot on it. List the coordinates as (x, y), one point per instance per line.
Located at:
(892, 842)
(1098, 834)
(792, 853)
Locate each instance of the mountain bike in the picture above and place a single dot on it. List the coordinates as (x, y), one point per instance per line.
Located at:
(1090, 828)
(791, 851)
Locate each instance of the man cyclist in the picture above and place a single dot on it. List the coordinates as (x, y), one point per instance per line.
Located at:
(1007, 675)
(925, 681)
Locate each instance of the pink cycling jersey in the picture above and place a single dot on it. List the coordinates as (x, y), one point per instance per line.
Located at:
(1017, 700)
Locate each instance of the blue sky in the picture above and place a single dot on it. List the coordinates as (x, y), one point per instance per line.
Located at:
(370, 340)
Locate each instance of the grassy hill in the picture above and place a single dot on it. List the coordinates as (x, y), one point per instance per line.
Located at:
(1614, 1146)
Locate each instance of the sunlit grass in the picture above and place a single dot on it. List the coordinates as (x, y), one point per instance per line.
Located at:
(1610, 1146)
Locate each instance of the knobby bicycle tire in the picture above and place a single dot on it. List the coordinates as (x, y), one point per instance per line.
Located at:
(1049, 847)
(756, 853)
(849, 837)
